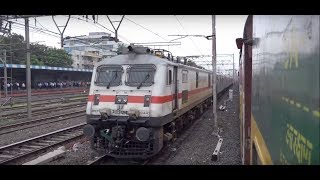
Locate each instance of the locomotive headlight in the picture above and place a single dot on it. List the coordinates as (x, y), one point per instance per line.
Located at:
(121, 99)
(147, 99)
(96, 99)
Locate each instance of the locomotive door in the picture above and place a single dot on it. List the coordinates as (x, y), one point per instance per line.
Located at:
(175, 88)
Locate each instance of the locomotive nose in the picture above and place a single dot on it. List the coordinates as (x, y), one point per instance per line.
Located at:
(89, 130)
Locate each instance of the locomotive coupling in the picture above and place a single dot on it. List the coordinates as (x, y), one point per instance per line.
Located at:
(105, 113)
(133, 114)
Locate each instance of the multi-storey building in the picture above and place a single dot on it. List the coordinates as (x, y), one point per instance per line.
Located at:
(87, 50)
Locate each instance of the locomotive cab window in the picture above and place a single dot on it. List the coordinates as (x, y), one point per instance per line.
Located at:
(140, 75)
(108, 75)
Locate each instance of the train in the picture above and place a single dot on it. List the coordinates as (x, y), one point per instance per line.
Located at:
(142, 98)
(279, 90)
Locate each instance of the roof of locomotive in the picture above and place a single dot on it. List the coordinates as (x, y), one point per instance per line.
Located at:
(133, 58)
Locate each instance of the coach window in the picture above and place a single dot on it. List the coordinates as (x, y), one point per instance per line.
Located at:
(184, 76)
(169, 81)
(197, 79)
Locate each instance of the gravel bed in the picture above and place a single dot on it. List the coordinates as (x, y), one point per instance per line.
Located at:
(199, 142)
(79, 154)
(16, 136)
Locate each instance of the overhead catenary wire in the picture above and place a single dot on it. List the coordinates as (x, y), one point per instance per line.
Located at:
(37, 28)
(33, 30)
(189, 37)
(157, 34)
(40, 24)
(188, 34)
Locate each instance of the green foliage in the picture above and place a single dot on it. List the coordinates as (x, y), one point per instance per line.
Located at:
(35, 61)
(57, 57)
(40, 54)
(191, 63)
(120, 47)
(17, 47)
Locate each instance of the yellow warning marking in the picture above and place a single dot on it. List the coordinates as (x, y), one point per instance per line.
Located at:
(316, 113)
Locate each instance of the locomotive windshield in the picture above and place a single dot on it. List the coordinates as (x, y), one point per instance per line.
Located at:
(140, 75)
(109, 75)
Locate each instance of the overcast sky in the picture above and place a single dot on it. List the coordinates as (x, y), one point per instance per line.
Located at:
(228, 28)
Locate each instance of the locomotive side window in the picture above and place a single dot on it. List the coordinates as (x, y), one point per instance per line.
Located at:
(169, 77)
(109, 75)
(184, 76)
(140, 75)
(197, 80)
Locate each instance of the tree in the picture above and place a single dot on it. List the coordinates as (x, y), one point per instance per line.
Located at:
(57, 57)
(120, 47)
(40, 54)
(16, 42)
(35, 61)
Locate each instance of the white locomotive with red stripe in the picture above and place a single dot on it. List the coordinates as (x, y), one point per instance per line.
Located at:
(141, 98)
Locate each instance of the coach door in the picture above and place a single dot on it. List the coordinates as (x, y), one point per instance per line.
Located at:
(172, 82)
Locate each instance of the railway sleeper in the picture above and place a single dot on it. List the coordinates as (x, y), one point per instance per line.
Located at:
(41, 144)
(22, 149)
(49, 141)
(4, 156)
(5, 152)
(58, 139)
(34, 146)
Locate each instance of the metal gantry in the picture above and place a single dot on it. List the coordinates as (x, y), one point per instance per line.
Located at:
(116, 29)
(61, 32)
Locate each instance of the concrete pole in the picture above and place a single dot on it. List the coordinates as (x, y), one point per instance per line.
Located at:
(5, 74)
(28, 71)
(214, 92)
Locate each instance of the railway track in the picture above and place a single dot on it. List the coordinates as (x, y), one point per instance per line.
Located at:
(43, 111)
(40, 103)
(16, 152)
(48, 92)
(6, 129)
